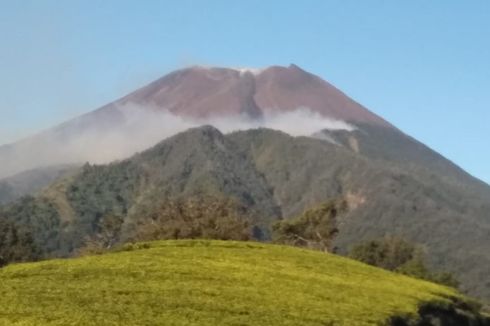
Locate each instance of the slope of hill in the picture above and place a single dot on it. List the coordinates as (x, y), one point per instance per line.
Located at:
(219, 283)
(275, 176)
(30, 182)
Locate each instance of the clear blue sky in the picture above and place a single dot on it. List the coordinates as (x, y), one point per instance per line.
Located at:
(422, 65)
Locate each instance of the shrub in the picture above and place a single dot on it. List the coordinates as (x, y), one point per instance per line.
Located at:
(197, 217)
(390, 253)
(401, 256)
(316, 228)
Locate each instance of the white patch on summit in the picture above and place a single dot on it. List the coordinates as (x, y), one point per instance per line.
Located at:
(253, 71)
(241, 70)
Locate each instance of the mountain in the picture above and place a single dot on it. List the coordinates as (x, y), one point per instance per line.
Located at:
(393, 183)
(180, 100)
(197, 282)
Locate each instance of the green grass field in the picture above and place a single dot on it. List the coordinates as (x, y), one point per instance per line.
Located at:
(192, 282)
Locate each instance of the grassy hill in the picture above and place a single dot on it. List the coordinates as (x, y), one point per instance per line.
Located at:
(201, 282)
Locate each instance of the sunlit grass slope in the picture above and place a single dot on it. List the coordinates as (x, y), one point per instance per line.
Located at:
(207, 283)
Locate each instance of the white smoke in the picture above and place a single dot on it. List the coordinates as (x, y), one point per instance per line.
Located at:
(141, 128)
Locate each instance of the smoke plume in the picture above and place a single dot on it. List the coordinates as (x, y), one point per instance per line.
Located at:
(139, 128)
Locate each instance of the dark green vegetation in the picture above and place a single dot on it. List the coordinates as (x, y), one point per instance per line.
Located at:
(398, 255)
(419, 196)
(16, 244)
(196, 218)
(316, 228)
(196, 282)
(190, 218)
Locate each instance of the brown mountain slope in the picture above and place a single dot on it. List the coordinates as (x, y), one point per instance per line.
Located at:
(201, 92)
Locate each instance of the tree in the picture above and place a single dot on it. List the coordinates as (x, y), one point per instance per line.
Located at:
(16, 244)
(389, 252)
(401, 256)
(316, 228)
(196, 217)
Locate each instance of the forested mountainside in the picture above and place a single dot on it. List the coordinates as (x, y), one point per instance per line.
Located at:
(271, 175)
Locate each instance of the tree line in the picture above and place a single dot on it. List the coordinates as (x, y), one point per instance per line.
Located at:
(224, 218)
